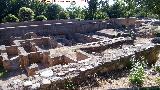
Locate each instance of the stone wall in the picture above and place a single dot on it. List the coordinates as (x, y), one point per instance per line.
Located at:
(46, 28)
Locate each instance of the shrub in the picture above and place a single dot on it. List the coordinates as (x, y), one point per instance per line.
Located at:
(40, 18)
(26, 14)
(136, 76)
(10, 18)
(63, 15)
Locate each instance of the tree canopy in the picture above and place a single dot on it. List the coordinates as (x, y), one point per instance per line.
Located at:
(96, 9)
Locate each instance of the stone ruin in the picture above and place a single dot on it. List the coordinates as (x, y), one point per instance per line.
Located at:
(48, 62)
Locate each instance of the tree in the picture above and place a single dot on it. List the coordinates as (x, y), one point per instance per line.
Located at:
(75, 12)
(26, 14)
(92, 9)
(104, 5)
(15, 5)
(3, 8)
(71, 11)
(102, 9)
(130, 7)
(10, 18)
(151, 6)
(101, 15)
(53, 11)
(38, 7)
(116, 10)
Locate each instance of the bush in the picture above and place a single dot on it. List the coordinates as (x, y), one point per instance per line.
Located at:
(10, 18)
(136, 76)
(63, 15)
(40, 18)
(26, 14)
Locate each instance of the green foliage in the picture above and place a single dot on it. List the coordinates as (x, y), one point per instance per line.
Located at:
(10, 18)
(152, 6)
(116, 11)
(130, 8)
(15, 5)
(63, 15)
(40, 18)
(95, 10)
(101, 15)
(104, 5)
(75, 12)
(38, 7)
(136, 76)
(3, 8)
(26, 14)
(92, 8)
(72, 15)
(53, 11)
